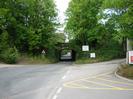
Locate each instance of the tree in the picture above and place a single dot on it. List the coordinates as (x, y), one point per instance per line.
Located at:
(122, 16)
(29, 23)
(90, 23)
(26, 25)
(82, 19)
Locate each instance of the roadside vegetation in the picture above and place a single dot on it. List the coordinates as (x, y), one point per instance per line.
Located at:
(28, 27)
(30, 59)
(126, 71)
(104, 25)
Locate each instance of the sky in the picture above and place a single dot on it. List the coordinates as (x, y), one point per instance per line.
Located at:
(62, 5)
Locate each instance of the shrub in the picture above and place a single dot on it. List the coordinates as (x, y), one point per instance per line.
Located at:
(35, 59)
(10, 55)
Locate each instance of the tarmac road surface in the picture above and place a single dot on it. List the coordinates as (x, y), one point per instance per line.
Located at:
(64, 80)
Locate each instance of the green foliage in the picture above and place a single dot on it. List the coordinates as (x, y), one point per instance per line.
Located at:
(27, 24)
(112, 51)
(82, 19)
(106, 53)
(10, 55)
(126, 71)
(104, 25)
(122, 16)
(4, 41)
(37, 59)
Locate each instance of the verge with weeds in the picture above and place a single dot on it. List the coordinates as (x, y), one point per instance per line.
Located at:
(126, 71)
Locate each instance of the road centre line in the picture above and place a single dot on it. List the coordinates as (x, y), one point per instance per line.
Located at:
(59, 90)
(64, 77)
(66, 74)
(55, 97)
(119, 88)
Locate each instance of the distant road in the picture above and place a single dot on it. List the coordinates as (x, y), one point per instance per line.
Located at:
(64, 81)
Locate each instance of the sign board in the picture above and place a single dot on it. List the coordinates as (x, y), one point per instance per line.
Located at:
(43, 52)
(92, 55)
(130, 57)
(85, 48)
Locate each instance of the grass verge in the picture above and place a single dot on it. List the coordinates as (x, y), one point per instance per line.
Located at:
(93, 60)
(27, 59)
(86, 61)
(126, 71)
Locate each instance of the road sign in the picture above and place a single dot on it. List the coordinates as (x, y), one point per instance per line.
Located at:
(43, 52)
(85, 48)
(130, 57)
(92, 55)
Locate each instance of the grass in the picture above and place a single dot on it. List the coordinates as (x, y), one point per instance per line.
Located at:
(95, 60)
(126, 71)
(86, 61)
(27, 59)
(101, 55)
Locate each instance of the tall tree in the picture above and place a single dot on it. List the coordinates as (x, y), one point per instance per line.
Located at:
(82, 19)
(122, 15)
(29, 23)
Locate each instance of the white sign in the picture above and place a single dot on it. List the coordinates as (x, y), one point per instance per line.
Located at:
(85, 48)
(130, 57)
(92, 55)
(43, 52)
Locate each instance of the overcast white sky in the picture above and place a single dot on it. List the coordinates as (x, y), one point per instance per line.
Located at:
(62, 5)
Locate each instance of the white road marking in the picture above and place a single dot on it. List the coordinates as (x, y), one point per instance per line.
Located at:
(64, 77)
(66, 74)
(59, 90)
(55, 97)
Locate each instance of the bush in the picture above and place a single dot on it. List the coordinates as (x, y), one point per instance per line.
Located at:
(126, 71)
(35, 59)
(105, 53)
(10, 55)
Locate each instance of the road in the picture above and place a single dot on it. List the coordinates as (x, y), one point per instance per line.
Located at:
(64, 81)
